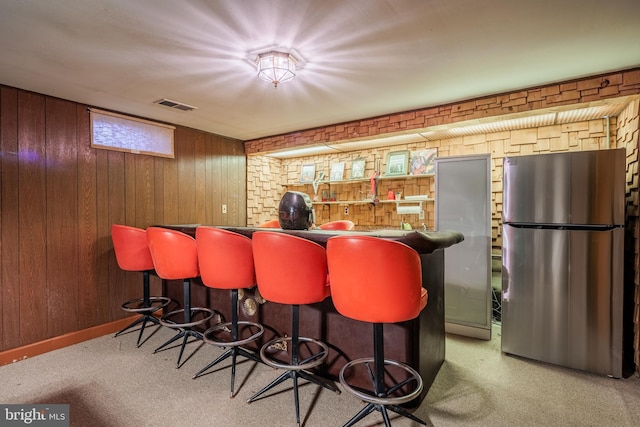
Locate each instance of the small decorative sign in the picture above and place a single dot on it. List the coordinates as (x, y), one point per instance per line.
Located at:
(357, 168)
(397, 163)
(337, 172)
(423, 161)
(307, 173)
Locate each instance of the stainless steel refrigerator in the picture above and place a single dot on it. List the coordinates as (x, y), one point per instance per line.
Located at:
(563, 248)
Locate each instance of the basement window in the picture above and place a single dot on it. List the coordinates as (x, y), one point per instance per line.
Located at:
(111, 131)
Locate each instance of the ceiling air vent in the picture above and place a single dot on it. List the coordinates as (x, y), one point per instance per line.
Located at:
(175, 104)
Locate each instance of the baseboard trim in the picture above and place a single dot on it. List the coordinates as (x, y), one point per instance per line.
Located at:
(20, 353)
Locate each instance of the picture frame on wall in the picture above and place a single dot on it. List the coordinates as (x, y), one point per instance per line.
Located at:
(423, 162)
(357, 168)
(397, 163)
(337, 172)
(307, 173)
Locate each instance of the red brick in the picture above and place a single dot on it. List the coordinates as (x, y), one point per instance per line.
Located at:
(417, 122)
(427, 112)
(516, 101)
(550, 90)
(631, 77)
(402, 117)
(588, 92)
(568, 86)
(594, 83)
(502, 99)
(609, 91)
(534, 95)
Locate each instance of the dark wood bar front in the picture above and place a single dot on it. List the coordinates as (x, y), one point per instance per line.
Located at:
(420, 342)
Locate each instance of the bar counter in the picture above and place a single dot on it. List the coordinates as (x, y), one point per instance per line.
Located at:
(419, 342)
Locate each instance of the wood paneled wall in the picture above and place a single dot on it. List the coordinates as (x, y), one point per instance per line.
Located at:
(59, 197)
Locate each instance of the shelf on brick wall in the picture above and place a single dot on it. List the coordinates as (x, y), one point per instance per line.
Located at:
(351, 192)
(370, 202)
(358, 180)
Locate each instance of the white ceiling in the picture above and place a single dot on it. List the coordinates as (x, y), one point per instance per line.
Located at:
(360, 58)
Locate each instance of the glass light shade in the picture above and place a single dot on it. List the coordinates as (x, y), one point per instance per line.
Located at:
(276, 67)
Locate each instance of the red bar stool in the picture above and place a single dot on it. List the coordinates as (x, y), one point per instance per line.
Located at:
(341, 224)
(226, 262)
(272, 223)
(378, 281)
(175, 257)
(132, 254)
(291, 270)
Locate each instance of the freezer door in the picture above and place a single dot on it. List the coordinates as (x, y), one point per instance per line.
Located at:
(562, 297)
(586, 187)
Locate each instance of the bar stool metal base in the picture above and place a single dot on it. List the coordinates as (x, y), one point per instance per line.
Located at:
(382, 401)
(146, 306)
(142, 306)
(234, 349)
(312, 361)
(137, 306)
(295, 369)
(185, 328)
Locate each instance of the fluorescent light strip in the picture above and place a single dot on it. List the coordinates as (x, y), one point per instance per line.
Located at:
(303, 151)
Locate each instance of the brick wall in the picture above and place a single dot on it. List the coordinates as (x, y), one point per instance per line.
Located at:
(366, 216)
(627, 136)
(264, 195)
(263, 188)
(590, 89)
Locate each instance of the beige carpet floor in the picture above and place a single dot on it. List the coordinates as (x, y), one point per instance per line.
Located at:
(109, 382)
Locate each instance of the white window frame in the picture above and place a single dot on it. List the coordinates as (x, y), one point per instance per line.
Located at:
(117, 132)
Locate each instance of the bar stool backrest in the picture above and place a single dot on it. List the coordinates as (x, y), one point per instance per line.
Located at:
(289, 269)
(341, 224)
(225, 259)
(174, 253)
(375, 280)
(131, 248)
(272, 223)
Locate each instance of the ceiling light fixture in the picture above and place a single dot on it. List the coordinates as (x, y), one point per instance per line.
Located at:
(276, 67)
